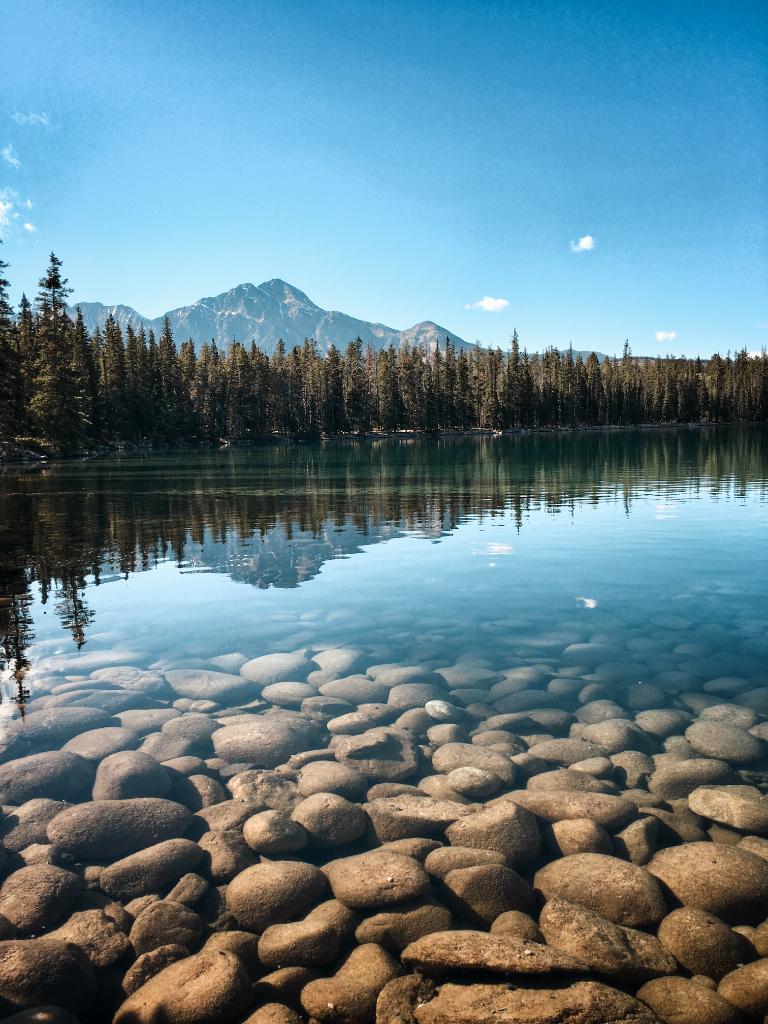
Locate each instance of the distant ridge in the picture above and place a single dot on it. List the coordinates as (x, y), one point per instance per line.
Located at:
(265, 313)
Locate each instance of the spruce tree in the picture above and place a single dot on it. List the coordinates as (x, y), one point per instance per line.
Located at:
(58, 406)
(10, 367)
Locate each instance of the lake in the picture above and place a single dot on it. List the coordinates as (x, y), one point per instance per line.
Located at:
(485, 708)
(425, 550)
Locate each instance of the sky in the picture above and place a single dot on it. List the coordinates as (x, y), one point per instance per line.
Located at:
(582, 171)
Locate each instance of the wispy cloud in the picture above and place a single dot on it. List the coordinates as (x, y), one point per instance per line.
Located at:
(41, 120)
(583, 244)
(8, 153)
(762, 326)
(489, 304)
(6, 208)
(666, 335)
(10, 215)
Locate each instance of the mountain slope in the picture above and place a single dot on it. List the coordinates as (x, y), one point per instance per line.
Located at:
(265, 313)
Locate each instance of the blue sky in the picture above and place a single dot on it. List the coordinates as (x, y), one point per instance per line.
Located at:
(401, 161)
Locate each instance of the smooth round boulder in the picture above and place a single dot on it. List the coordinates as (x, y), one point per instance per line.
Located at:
(330, 820)
(725, 742)
(473, 783)
(27, 825)
(741, 807)
(146, 966)
(506, 828)
(409, 816)
(678, 779)
(615, 889)
(36, 898)
(273, 832)
(152, 870)
(110, 829)
(332, 777)
(450, 858)
(314, 941)
(273, 892)
(129, 774)
(98, 931)
(97, 744)
(702, 943)
(349, 997)
(683, 1001)
(469, 755)
(399, 925)
(278, 668)
(478, 895)
(746, 988)
(381, 754)
(54, 775)
(728, 881)
(211, 987)
(376, 879)
(610, 812)
(263, 741)
(287, 695)
(577, 835)
(205, 684)
(165, 923)
(225, 854)
(45, 972)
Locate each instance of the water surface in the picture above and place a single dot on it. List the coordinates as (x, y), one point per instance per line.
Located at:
(651, 544)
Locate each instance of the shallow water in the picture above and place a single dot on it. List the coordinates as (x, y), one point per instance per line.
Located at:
(650, 546)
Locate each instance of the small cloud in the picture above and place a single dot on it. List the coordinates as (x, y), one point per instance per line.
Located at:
(489, 304)
(6, 211)
(8, 154)
(583, 244)
(666, 335)
(41, 120)
(762, 326)
(588, 602)
(29, 226)
(27, 204)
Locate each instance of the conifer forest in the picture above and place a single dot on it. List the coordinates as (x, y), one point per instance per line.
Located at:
(66, 390)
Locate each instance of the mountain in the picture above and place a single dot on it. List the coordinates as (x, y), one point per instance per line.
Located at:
(264, 313)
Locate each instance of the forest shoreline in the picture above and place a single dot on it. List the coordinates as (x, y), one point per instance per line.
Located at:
(26, 454)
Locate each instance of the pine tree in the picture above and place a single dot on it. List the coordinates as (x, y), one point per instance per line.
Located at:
(10, 365)
(58, 406)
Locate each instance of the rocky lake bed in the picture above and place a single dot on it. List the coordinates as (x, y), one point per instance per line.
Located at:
(468, 731)
(323, 835)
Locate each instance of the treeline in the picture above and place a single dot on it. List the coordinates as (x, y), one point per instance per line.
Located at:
(71, 390)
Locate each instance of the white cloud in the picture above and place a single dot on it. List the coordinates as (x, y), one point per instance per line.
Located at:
(666, 335)
(6, 209)
(489, 304)
(27, 204)
(583, 244)
(588, 602)
(8, 154)
(10, 217)
(32, 118)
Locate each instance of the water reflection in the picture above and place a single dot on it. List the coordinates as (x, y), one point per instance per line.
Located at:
(271, 517)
